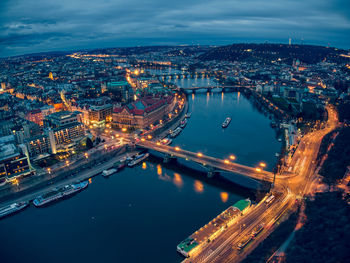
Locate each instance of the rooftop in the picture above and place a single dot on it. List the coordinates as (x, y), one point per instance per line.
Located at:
(242, 204)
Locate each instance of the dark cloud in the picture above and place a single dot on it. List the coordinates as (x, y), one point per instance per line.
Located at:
(45, 25)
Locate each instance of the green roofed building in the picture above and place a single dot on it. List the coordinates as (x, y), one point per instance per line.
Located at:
(242, 204)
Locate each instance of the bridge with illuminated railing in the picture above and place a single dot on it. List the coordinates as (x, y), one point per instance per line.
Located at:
(211, 164)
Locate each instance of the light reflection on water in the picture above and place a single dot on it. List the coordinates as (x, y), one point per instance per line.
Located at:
(198, 186)
(224, 196)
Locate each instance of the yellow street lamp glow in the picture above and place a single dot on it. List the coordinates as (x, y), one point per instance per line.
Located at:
(158, 143)
(124, 129)
(226, 161)
(143, 139)
(177, 148)
(232, 157)
(258, 169)
(262, 164)
(149, 137)
(199, 154)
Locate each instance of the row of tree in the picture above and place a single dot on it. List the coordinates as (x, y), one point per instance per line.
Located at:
(338, 159)
(325, 237)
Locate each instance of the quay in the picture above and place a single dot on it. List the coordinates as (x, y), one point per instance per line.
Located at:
(211, 230)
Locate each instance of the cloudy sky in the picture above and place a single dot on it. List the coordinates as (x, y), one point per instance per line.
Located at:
(28, 26)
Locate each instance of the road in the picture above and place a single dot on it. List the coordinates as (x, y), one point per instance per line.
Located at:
(303, 164)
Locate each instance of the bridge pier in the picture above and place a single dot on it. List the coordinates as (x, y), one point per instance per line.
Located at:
(167, 158)
(211, 172)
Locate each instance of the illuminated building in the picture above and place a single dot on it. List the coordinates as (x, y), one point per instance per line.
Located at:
(61, 118)
(13, 162)
(144, 112)
(35, 116)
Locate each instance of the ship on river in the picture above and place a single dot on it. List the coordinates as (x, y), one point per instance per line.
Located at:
(226, 122)
(58, 193)
(12, 208)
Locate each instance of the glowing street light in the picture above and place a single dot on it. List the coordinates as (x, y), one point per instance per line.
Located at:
(226, 161)
(177, 148)
(262, 164)
(258, 169)
(142, 139)
(124, 129)
(232, 157)
(199, 154)
(149, 137)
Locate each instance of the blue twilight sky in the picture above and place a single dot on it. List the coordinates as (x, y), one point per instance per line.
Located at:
(28, 26)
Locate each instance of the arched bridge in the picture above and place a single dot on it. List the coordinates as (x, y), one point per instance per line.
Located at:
(211, 164)
(211, 88)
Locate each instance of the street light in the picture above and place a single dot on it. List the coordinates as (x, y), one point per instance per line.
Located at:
(262, 164)
(232, 157)
(226, 161)
(258, 169)
(199, 154)
(177, 148)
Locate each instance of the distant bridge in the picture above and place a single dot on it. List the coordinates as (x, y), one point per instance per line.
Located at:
(211, 164)
(184, 75)
(218, 87)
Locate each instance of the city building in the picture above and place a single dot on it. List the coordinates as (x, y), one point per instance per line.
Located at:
(143, 112)
(13, 161)
(61, 118)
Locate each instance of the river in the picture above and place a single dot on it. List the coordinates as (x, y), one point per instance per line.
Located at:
(141, 214)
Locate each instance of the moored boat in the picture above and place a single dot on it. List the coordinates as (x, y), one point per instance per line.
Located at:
(58, 193)
(109, 172)
(138, 159)
(183, 123)
(175, 132)
(188, 115)
(12, 208)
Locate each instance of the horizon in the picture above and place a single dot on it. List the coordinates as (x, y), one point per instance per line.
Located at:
(165, 45)
(75, 25)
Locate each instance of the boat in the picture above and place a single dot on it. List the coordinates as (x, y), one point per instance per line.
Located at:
(166, 141)
(12, 208)
(188, 115)
(58, 193)
(183, 123)
(109, 172)
(226, 122)
(120, 164)
(138, 159)
(175, 132)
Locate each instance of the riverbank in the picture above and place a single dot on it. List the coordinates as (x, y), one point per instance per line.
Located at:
(42, 184)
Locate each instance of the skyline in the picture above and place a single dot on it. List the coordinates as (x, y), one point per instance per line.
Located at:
(86, 25)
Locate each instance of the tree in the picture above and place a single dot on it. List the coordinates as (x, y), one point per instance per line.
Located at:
(89, 143)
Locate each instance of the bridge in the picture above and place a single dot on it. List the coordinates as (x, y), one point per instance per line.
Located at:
(184, 75)
(211, 88)
(211, 164)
